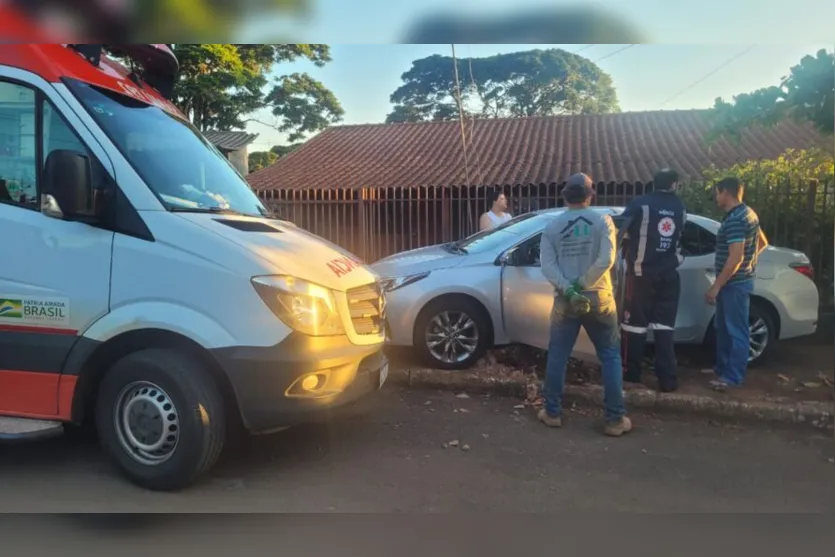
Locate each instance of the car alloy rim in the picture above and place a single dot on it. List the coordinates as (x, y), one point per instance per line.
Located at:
(758, 329)
(147, 423)
(452, 337)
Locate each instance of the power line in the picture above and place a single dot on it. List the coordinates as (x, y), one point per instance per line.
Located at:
(582, 48)
(727, 62)
(472, 123)
(461, 114)
(618, 51)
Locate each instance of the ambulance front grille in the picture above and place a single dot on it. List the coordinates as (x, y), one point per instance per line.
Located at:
(367, 307)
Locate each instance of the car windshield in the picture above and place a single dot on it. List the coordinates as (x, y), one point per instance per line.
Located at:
(498, 237)
(182, 168)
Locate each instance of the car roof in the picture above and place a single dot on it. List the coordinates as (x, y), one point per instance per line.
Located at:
(608, 210)
(703, 221)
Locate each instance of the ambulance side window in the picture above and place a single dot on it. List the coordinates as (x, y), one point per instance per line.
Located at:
(58, 135)
(18, 145)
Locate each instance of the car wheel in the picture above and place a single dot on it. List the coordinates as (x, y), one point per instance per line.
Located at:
(452, 333)
(161, 418)
(763, 333)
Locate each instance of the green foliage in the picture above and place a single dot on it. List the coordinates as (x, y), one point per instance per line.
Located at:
(221, 84)
(261, 159)
(532, 83)
(806, 95)
(282, 150)
(766, 181)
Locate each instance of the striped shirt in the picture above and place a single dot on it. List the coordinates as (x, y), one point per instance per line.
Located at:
(741, 224)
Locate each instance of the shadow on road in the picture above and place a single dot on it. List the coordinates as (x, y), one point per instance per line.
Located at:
(283, 451)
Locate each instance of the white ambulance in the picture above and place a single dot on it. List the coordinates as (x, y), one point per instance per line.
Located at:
(145, 286)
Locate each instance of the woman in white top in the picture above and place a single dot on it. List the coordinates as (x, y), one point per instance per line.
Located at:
(497, 214)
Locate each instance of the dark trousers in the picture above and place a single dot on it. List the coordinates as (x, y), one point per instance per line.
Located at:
(650, 303)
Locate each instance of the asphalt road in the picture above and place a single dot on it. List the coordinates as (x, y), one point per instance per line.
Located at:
(388, 456)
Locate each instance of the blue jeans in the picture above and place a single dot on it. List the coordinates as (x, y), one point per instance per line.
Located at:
(604, 332)
(733, 336)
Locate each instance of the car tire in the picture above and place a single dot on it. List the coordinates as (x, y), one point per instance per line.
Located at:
(759, 316)
(161, 418)
(473, 319)
(758, 313)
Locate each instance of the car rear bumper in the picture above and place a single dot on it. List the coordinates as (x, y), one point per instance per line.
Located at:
(798, 328)
(269, 382)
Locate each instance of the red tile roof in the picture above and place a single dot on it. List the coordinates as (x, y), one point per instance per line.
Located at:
(229, 141)
(625, 147)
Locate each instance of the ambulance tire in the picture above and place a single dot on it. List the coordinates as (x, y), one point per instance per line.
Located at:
(161, 396)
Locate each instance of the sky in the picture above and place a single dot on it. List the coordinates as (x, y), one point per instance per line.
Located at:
(646, 76)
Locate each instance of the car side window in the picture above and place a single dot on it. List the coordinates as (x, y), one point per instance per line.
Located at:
(696, 241)
(527, 255)
(18, 145)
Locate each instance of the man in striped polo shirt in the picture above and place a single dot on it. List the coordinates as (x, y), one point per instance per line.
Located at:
(739, 242)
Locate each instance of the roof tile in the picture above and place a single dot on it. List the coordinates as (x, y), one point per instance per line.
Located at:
(624, 147)
(229, 140)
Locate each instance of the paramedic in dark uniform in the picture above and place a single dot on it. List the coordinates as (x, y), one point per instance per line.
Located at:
(652, 229)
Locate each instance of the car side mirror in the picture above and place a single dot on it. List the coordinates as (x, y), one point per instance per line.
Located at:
(67, 191)
(508, 257)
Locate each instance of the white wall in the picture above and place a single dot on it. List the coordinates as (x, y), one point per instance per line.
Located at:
(240, 160)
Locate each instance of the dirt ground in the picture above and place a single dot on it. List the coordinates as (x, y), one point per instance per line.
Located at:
(799, 370)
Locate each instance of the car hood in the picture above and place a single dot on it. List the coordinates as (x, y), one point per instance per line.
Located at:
(288, 249)
(419, 260)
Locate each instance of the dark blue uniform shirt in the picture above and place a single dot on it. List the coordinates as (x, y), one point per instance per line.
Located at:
(654, 224)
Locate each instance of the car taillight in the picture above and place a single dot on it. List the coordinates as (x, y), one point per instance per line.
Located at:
(804, 269)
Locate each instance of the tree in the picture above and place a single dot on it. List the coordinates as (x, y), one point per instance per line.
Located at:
(261, 159)
(807, 95)
(221, 85)
(532, 83)
(282, 150)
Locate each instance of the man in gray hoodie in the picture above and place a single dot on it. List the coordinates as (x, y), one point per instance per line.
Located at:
(577, 254)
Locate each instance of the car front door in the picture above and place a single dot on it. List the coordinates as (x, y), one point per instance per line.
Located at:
(698, 246)
(54, 274)
(528, 298)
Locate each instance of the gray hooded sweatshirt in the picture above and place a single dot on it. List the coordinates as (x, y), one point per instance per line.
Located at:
(579, 246)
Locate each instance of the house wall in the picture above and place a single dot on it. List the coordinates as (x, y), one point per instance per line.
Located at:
(240, 160)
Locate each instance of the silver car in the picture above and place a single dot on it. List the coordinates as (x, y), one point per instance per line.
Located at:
(454, 301)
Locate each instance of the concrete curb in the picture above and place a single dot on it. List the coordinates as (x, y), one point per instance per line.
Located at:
(815, 414)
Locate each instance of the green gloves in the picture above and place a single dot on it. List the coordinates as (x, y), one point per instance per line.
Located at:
(579, 304)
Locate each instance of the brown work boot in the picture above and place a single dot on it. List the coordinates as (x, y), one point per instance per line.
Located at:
(550, 421)
(616, 429)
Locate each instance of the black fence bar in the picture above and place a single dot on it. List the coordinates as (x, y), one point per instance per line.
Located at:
(375, 223)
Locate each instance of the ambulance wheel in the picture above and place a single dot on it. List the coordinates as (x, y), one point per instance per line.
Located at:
(160, 418)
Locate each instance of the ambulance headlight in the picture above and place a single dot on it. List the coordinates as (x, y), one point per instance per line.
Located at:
(301, 305)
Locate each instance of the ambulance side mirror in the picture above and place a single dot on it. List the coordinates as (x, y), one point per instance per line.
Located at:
(67, 191)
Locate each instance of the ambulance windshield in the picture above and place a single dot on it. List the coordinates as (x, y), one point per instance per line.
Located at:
(185, 171)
